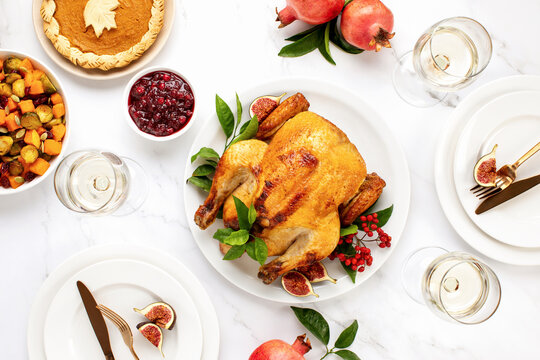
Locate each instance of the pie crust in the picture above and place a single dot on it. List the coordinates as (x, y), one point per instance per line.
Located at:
(91, 60)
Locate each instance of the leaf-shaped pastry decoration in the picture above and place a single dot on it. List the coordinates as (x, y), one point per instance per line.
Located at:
(100, 15)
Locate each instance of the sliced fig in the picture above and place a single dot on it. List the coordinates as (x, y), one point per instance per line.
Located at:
(485, 170)
(152, 333)
(264, 105)
(315, 272)
(160, 313)
(297, 284)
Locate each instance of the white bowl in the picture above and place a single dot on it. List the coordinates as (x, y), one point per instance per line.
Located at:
(130, 121)
(54, 162)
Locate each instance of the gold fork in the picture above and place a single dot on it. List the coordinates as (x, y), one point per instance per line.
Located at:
(122, 325)
(505, 176)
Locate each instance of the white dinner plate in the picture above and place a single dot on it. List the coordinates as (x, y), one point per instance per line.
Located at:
(374, 140)
(121, 285)
(444, 172)
(89, 257)
(513, 122)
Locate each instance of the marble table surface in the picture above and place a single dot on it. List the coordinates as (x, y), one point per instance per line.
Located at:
(230, 45)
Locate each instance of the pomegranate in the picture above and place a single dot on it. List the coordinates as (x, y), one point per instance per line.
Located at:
(280, 350)
(367, 24)
(313, 12)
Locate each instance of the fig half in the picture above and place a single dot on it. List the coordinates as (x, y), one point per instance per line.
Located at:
(264, 105)
(315, 272)
(297, 284)
(160, 313)
(152, 333)
(485, 170)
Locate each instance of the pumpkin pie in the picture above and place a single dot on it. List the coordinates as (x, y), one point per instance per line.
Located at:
(102, 34)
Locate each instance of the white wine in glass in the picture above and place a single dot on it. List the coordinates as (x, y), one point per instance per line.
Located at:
(99, 182)
(455, 285)
(446, 58)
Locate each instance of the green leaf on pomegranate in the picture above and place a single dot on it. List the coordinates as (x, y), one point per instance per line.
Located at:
(242, 212)
(222, 234)
(304, 33)
(201, 182)
(347, 3)
(351, 229)
(347, 355)
(347, 336)
(260, 251)
(324, 45)
(248, 131)
(384, 215)
(235, 252)
(339, 41)
(205, 153)
(239, 237)
(303, 46)
(225, 116)
(349, 271)
(314, 322)
(204, 170)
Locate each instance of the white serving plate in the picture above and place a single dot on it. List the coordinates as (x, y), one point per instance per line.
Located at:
(379, 148)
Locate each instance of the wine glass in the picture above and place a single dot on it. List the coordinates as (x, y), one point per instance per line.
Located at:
(447, 57)
(455, 285)
(100, 182)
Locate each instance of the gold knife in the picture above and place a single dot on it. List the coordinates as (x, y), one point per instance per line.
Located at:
(96, 319)
(510, 192)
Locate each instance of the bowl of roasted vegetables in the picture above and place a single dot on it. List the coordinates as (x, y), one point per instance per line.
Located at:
(33, 122)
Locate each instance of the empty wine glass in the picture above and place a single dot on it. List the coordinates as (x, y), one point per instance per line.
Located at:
(447, 57)
(100, 182)
(454, 285)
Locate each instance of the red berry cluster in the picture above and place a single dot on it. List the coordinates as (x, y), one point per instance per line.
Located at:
(362, 254)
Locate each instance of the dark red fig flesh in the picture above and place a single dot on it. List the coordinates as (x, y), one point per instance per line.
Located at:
(315, 272)
(297, 284)
(152, 333)
(160, 313)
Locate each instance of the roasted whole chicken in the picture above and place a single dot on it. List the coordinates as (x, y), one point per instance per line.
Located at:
(305, 182)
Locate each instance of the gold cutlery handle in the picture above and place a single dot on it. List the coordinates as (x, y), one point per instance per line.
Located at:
(527, 155)
(133, 353)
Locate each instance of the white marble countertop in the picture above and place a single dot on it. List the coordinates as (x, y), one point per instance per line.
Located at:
(226, 46)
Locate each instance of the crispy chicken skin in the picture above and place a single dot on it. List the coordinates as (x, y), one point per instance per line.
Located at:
(369, 192)
(297, 183)
(289, 108)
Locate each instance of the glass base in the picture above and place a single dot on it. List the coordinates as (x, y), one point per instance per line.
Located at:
(137, 191)
(414, 268)
(410, 87)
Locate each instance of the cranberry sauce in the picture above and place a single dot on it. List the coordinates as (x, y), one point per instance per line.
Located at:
(161, 103)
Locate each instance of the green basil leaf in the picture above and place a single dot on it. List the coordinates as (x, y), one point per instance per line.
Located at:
(249, 131)
(250, 249)
(201, 181)
(338, 40)
(304, 33)
(222, 234)
(238, 110)
(314, 322)
(242, 212)
(324, 46)
(347, 355)
(239, 237)
(212, 163)
(205, 153)
(235, 252)
(347, 336)
(351, 229)
(346, 248)
(384, 215)
(204, 170)
(252, 215)
(261, 251)
(244, 126)
(225, 116)
(350, 272)
(303, 46)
